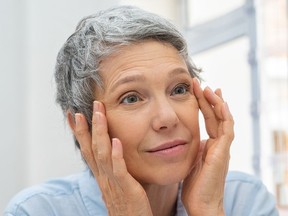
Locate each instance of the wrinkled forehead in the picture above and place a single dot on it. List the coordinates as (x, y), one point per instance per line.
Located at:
(143, 55)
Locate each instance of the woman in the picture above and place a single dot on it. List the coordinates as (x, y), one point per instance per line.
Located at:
(131, 97)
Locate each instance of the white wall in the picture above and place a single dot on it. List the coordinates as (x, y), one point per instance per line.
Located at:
(12, 98)
(35, 144)
(170, 9)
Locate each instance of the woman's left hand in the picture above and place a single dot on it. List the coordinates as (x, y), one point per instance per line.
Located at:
(203, 188)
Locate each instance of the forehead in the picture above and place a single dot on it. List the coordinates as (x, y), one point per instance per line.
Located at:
(144, 55)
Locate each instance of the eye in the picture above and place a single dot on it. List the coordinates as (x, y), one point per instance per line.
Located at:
(181, 89)
(129, 99)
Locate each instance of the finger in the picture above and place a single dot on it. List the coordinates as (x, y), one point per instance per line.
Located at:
(226, 133)
(83, 137)
(218, 92)
(101, 144)
(119, 165)
(228, 123)
(120, 173)
(111, 182)
(211, 123)
(215, 101)
(123, 177)
(99, 107)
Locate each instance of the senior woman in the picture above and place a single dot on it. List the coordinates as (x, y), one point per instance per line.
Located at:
(131, 97)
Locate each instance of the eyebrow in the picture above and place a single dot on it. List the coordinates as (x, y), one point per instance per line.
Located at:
(178, 71)
(127, 79)
(140, 78)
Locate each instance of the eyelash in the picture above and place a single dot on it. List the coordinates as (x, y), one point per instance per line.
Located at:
(185, 85)
(122, 100)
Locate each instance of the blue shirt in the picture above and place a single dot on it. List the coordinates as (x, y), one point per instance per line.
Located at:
(79, 195)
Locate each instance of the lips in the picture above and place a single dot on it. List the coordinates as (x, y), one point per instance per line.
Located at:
(167, 145)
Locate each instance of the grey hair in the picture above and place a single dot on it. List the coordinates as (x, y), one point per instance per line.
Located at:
(95, 38)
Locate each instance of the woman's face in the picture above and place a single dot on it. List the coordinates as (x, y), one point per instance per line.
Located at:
(151, 108)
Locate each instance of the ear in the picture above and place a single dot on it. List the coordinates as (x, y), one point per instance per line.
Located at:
(71, 121)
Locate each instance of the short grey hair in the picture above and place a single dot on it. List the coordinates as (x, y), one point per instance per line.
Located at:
(95, 38)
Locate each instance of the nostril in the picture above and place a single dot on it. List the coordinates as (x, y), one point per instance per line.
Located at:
(163, 127)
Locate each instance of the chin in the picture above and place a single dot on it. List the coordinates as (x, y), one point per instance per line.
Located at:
(166, 177)
(175, 177)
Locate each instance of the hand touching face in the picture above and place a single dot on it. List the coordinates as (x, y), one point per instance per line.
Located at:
(145, 132)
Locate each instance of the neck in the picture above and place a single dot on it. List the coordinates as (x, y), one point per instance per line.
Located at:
(163, 199)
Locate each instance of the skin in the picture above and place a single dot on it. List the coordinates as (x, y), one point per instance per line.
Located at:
(157, 104)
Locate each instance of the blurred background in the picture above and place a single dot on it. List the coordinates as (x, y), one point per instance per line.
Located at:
(241, 45)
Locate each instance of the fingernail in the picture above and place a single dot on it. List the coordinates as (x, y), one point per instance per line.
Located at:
(208, 88)
(77, 118)
(114, 142)
(95, 106)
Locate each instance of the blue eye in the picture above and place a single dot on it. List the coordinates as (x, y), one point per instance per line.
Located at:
(130, 99)
(180, 89)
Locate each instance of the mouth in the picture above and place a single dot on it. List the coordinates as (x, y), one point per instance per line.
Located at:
(168, 146)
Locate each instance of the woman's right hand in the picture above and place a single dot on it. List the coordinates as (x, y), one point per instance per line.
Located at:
(122, 194)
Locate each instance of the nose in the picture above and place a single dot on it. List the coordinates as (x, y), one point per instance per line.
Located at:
(164, 116)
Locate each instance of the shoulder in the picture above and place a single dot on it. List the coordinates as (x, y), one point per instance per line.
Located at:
(237, 179)
(242, 177)
(47, 197)
(246, 194)
(239, 182)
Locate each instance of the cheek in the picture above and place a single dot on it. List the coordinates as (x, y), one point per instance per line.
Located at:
(192, 121)
(128, 128)
(189, 116)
